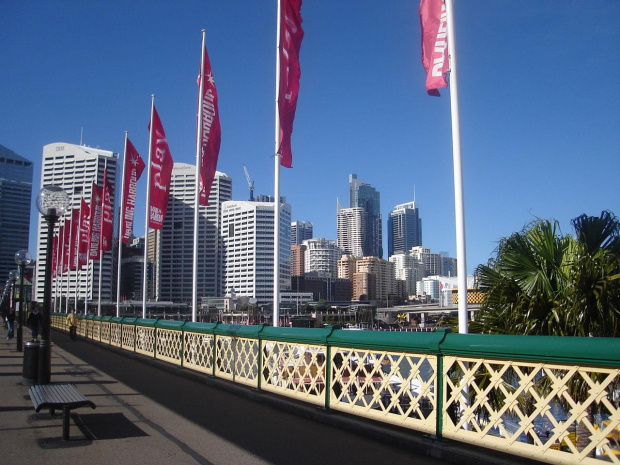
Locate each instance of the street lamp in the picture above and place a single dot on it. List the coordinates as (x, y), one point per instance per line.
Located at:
(23, 259)
(52, 203)
(12, 279)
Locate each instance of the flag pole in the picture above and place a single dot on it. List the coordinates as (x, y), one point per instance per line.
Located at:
(120, 232)
(276, 189)
(146, 220)
(105, 168)
(197, 188)
(459, 204)
(69, 258)
(77, 256)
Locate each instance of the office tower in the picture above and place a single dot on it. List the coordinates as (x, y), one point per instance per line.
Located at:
(365, 196)
(298, 256)
(247, 230)
(175, 243)
(407, 269)
(404, 228)
(434, 264)
(15, 202)
(321, 257)
(350, 230)
(74, 168)
(300, 231)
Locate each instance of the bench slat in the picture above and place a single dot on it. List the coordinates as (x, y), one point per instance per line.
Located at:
(57, 396)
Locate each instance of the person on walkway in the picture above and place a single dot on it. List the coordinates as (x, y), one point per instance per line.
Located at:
(34, 321)
(10, 323)
(72, 322)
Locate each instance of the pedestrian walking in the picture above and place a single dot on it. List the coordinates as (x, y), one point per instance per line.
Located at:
(34, 321)
(10, 323)
(72, 322)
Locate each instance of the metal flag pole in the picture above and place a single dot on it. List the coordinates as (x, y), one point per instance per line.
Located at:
(120, 232)
(458, 172)
(105, 167)
(276, 189)
(197, 187)
(146, 220)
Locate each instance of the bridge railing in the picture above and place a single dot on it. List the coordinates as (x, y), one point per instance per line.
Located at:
(553, 399)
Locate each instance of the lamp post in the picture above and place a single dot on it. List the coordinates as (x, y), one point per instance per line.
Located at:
(23, 259)
(52, 203)
(12, 279)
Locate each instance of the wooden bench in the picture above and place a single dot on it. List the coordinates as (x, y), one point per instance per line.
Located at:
(58, 396)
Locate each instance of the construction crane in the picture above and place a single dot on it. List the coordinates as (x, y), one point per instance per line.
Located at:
(250, 183)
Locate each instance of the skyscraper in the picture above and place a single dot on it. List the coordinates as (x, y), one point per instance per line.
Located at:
(404, 228)
(321, 257)
(74, 168)
(365, 196)
(247, 230)
(300, 231)
(15, 196)
(350, 229)
(176, 238)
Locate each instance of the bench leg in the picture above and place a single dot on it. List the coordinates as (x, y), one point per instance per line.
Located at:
(65, 423)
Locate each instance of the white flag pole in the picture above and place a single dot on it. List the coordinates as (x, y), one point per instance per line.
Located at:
(105, 167)
(69, 258)
(77, 256)
(146, 219)
(120, 232)
(276, 189)
(197, 188)
(458, 172)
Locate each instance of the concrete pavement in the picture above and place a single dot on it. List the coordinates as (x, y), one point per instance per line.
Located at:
(149, 412)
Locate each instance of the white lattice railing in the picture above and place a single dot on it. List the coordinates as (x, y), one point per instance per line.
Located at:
(556, 400)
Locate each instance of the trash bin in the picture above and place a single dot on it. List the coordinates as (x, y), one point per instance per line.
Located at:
(31, 362)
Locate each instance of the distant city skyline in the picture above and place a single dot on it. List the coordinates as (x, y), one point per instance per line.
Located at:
(539, 105)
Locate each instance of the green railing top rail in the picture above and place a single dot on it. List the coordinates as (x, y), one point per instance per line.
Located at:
(169, 324)
(305, 335)
(146, 322)
(205, 328)
(247, 331)
(392, 340)
(597, 351)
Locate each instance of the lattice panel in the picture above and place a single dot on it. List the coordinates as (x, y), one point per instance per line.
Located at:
(198, 352)
(393, 387)
(225, 357)
(246, 361)
(105, 331)
(145, 340)
(115, 334)
(129, 337)
(294, 370)
(553, 413)
(95, 333)
(169, 345)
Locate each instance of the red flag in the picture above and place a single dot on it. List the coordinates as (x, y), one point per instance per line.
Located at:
(66, 246)
(74, 239)
(291, 35)
(107, 220)
(55, 256)
(161, 171)
(61, 250)
(94, 230)
(84, 230)
(210, 132)
(434, 25)
(134, 165)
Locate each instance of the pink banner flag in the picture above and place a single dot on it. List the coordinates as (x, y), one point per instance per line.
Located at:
(94, 231)
(210, 132)
(66, 246)
(433, 22)
(84, 229)
(107, 220)
(73, 248)
(291, 35)
(55, 256)
(161, 171)
(134, 165)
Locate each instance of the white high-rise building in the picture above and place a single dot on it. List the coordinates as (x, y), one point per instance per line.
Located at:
(176, 239)
(301, 231)
(247, 230)
(321, 256)
(408, 269)
(74, 168)
(350, 230)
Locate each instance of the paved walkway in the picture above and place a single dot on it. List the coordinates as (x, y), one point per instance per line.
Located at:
(149, 413)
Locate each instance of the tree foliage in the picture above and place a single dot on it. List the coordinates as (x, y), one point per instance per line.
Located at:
(544, 283)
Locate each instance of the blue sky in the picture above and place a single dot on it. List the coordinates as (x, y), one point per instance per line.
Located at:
(539, 98)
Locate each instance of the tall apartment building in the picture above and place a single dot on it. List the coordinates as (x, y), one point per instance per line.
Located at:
(176, 238)
(371, 277)
(350, 230)
(407, 269)
(74, 168)
(365, 196)
(15, 204)
(300, 231)
(321, 257)
(404, 228)
(434, 264)
(248, 236)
